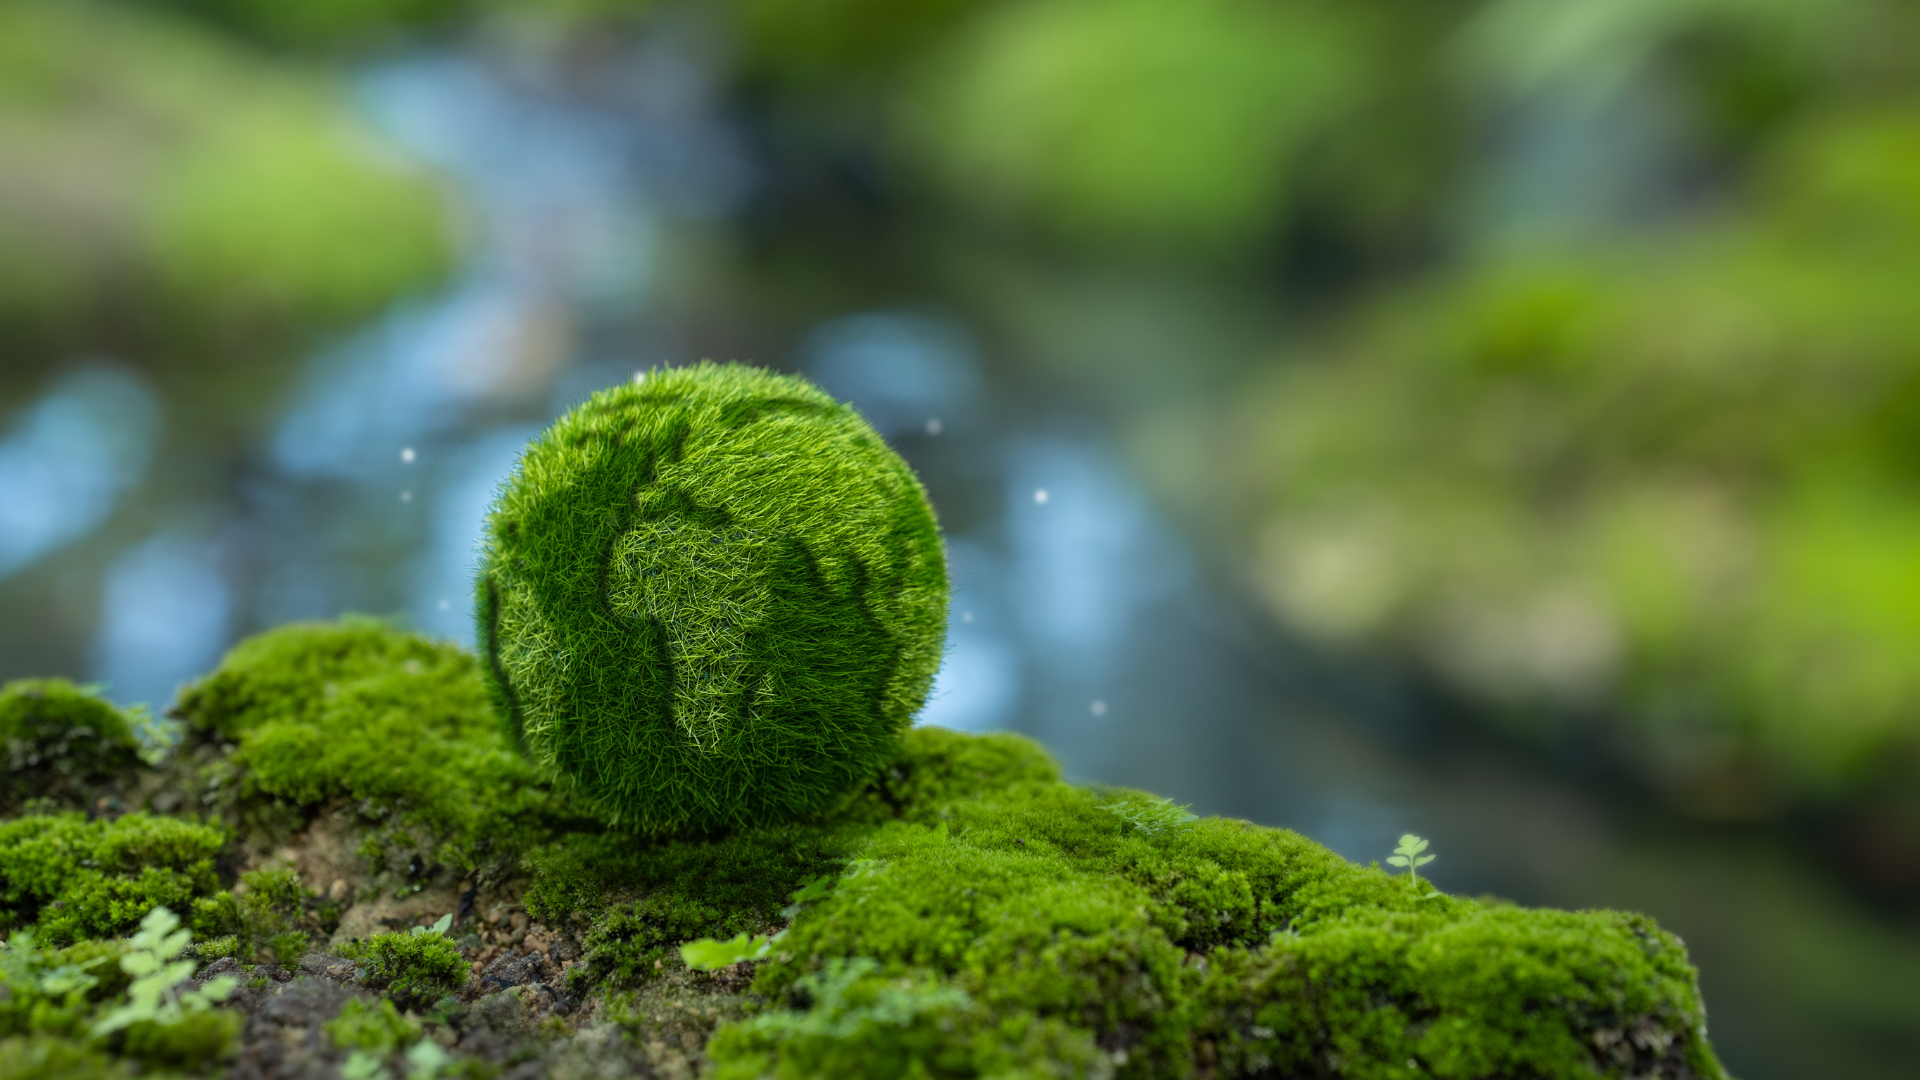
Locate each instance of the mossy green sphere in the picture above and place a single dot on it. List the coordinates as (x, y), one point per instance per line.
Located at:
(711, 598)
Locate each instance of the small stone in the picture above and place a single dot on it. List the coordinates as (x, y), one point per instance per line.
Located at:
(337, 891)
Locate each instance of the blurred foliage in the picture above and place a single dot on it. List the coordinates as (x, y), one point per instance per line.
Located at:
(324, 24)
(1673, 476)
(169, 196)
(1138, 119)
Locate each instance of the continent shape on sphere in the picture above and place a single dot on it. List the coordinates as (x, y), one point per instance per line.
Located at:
(711, 598)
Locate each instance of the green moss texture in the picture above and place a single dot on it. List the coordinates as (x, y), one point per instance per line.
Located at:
(78, 879)
(59, 741)
(711, 599)
(964, 913)
(392, 721)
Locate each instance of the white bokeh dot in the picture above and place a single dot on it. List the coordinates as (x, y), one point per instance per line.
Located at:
(1098, 707)
(1040, 496)
(406, 454)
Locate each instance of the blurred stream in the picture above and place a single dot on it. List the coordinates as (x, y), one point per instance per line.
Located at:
(1080, 614)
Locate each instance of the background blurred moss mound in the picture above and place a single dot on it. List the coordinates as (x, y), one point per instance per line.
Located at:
(168, 193)
(61, 742)
(1674, 481)
(711, 598)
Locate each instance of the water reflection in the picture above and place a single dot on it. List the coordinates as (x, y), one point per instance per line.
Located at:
(165, 614)
(67, 458)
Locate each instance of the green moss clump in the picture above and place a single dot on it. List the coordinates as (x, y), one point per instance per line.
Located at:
(392, 720)
(711, 599)
(414, 970)
(624, 944)
(194, 1042)
(970, 914)
(1253, 948)
(77, 879)
(377, 1028)
(859, 1023)
(1180, 125)
(46, 1057)
(235, 206)
(60, 741)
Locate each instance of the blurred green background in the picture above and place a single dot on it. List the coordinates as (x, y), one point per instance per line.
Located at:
(1495, 419)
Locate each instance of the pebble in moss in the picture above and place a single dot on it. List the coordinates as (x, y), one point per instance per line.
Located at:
(711, 599)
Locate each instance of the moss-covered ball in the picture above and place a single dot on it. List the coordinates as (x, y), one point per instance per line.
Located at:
(711, 598)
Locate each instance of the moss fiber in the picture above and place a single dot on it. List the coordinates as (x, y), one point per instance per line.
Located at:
(711, 599)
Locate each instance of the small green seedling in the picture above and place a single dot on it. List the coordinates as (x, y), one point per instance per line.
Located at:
(156, 974)
(437, 928)
(1408, 855)
(707, 954)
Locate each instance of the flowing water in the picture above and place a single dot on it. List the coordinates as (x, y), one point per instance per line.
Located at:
(1081, 616)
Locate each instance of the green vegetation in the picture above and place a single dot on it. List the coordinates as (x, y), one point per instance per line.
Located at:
(413, 970)
(77, 879)
(394, 721)
(966, 912)
(1669, 483)
(376, 1027)
(223, 201)
(1175, 124)
(1063, 924)
(163, 1024)
(706, 954)
(59, 1001)
(1407, 854)
(60, 742)
(711, 599)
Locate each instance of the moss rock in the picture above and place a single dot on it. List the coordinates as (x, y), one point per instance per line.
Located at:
(60, 741)
(392, 721)
(75, 879)
(965, 913)
(711, 599)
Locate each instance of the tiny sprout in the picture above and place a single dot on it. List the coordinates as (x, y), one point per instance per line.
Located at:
(437, 928)
(1408, 855)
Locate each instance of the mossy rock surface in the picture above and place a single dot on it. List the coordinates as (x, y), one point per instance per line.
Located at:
(965, 913)
(710, 599)
(60, 742)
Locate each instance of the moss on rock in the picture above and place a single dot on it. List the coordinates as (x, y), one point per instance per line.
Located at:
(412, 969)
(76, 878)
(967, 913)
(60, 741)
(711, 599)
(393, 721)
